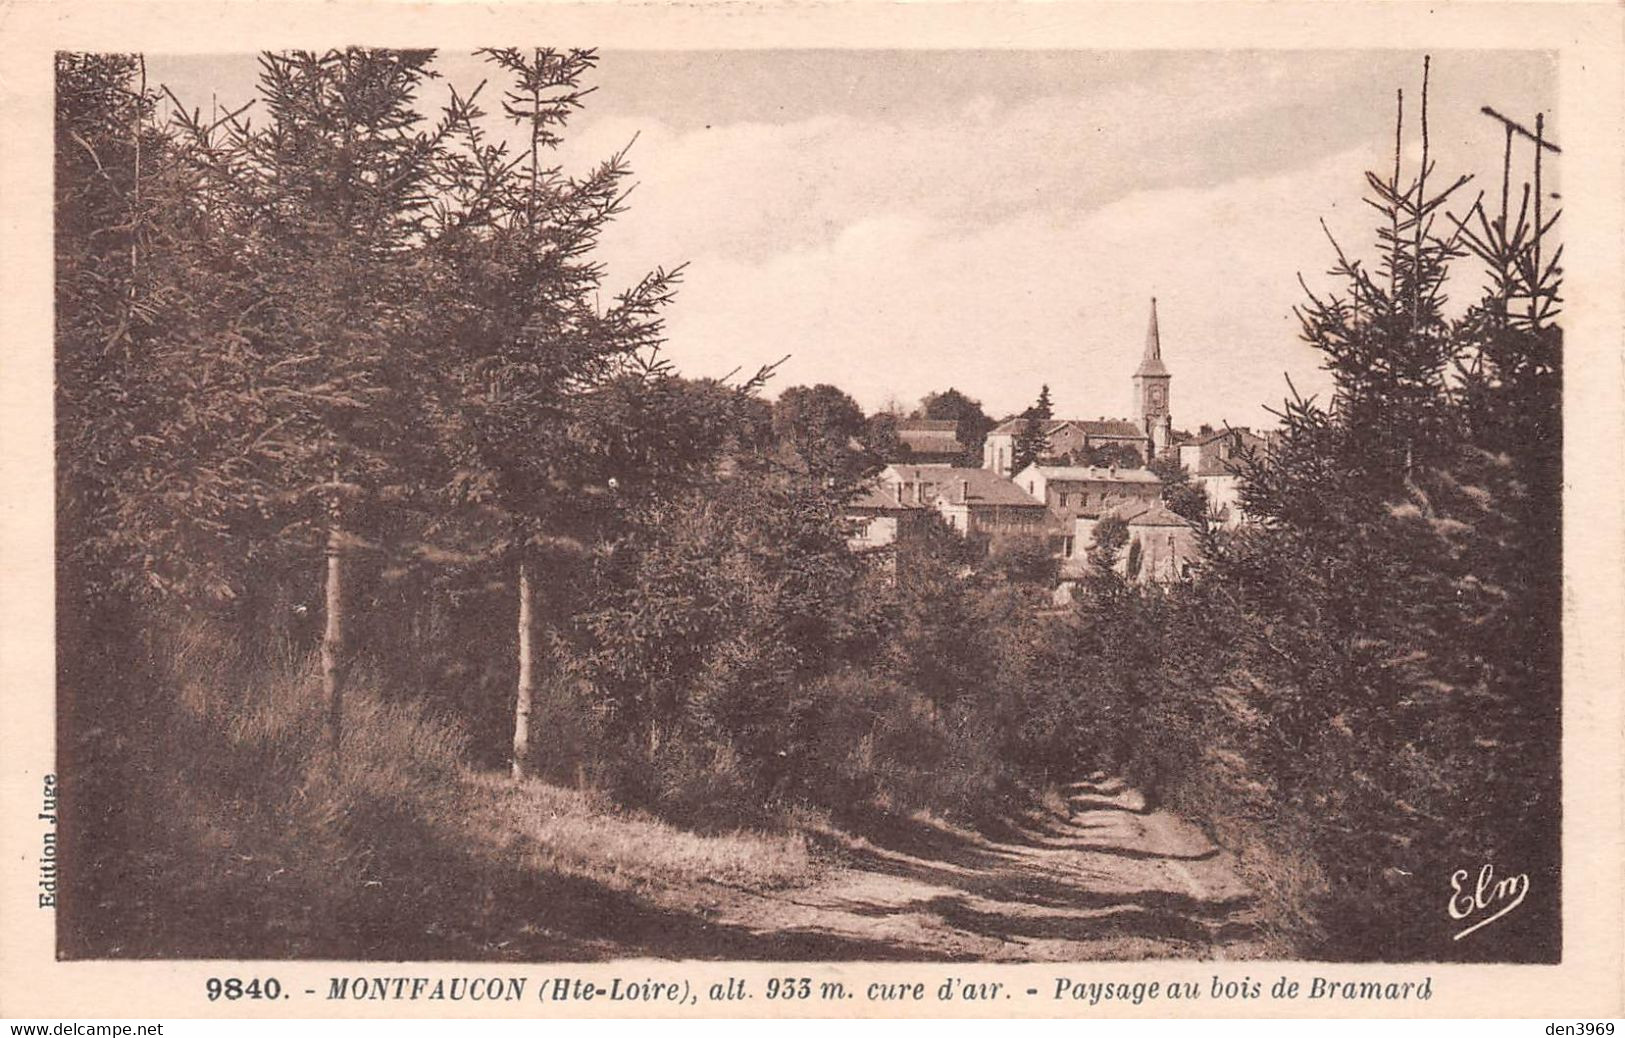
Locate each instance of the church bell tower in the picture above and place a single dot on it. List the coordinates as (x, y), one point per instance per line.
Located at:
(1151, 380)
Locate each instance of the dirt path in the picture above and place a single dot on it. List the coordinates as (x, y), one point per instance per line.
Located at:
(1110, 880)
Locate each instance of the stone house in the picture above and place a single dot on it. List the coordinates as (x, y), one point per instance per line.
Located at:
(974, 502)
(882, 517)
(1162, 546)
(1066, 437)
(1215, 462)
(1071, 491)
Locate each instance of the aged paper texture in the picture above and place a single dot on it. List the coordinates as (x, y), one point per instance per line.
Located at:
(415, 607)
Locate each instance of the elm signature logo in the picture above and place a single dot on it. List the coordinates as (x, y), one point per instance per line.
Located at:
(1487, 893)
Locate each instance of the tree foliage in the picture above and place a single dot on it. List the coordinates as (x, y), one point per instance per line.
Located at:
(1182, 496)
(1107, 455)
(363, 326)
(1032, 443)
(971, 423)
(825, 428)
(717, 610)
(1386, 687)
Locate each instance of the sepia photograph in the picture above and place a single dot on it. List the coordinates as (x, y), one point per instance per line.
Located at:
(562, 504)
(1077, 512)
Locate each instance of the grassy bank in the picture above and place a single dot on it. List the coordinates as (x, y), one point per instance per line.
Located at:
(214, 826)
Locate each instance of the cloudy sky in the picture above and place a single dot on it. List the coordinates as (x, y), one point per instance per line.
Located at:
(904, 221)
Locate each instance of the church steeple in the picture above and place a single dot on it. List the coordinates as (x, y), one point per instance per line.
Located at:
(1151, 363)
(1151, 380)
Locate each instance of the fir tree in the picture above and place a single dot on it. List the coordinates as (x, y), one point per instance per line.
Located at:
(333, 208)
(533, 370)
(1405, 575)
(1032, 443)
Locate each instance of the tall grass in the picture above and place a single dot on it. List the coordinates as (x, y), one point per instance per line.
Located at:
(241, 839)
(250, 839)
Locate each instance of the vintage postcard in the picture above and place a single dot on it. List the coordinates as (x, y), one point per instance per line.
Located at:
(1035, 510)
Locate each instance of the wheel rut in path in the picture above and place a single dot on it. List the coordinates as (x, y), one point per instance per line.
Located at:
(1112, 878)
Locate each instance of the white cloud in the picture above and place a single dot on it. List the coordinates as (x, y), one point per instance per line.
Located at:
(906, 302)
(904, 221)
(997, 246)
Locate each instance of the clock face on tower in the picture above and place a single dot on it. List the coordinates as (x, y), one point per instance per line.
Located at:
(1158, 397)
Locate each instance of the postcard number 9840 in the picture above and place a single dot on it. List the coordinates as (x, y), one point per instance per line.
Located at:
(233, 988)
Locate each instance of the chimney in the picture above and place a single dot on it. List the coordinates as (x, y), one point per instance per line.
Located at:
(897, 490)
(964, 491)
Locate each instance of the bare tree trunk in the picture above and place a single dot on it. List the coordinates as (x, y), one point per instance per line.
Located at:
(527, 672)
(333, 643)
